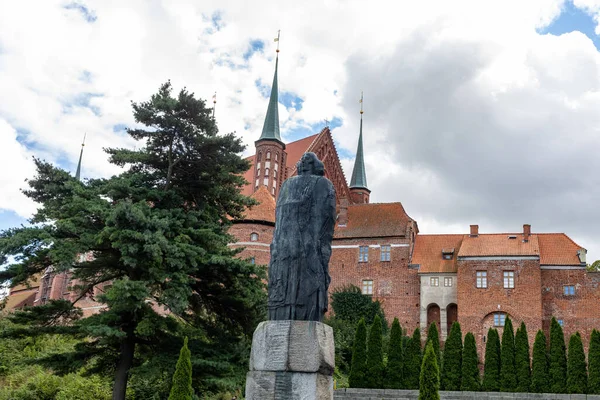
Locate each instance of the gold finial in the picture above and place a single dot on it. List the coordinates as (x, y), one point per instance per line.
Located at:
(83, 142)
(277, 40)
(214, 104)
(361, 102)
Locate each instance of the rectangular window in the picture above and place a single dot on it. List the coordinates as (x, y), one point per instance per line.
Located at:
(363, 253)
(252, 260)
(434, 281)
(499, 319)
(569, 290)
(482, 279)
(447, 281)
(367, 287)
(509, 280)
(385, 252)
(561, 322)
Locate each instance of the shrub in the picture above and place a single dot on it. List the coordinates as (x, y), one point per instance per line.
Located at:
(557, 369)
(393, 374)
(576, 368)
(470, 381)
(594, 363)
(434, 337)
(182, 378)
(429, 378)
(491, 369)
(522, 360)
(539, 365)
(375, 370)
(508, 376)
(412, 361)
(452, 364)
(358, 369)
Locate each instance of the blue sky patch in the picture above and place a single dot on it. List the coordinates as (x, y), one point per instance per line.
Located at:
(291, 100)
(216, 22)
(86, 76)
(573, 19)
(10, 219)
(82, 100)
(86, 13)
(255, 46)
(119, 128)
(304, 130)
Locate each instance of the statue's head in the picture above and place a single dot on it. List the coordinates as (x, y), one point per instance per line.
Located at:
(309, 164)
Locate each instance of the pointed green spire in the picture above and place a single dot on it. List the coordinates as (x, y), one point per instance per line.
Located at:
(78, 172)
(271, 126)
(359, 176)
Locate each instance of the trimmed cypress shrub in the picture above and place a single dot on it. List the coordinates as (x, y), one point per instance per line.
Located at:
(508, 375)
(358, 368)
(557, 368)
(429, 380)
(576, 368)
(375, 370)
(434, 337)
(451, 367)
(594, 363)
(470, 381)
(393, 372)
(491, 369)
(412, 361)
(539, 365)
(182, 378)
(522, 360)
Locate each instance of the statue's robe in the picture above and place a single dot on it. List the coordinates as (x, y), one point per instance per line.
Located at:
(301, 248)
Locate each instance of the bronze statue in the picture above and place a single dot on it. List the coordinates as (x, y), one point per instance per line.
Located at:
(301, 248)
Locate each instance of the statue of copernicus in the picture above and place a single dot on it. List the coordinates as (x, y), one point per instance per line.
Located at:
(304, 222)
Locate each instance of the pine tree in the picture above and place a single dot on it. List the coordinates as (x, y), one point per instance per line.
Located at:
(451, 367)
(491, 370)
(412, 361)
(594, 363)
(429, 379)
(375, 369)
(393, 373)
(557, 369)
(358, 369)
(470, 381)
(522, 360)
(539, 365)
(182, 379)
(508, 376)
(434, 337)
(576, 367)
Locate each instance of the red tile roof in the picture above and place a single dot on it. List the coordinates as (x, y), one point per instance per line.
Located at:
(265, 210)
(428, 252)
(374, 220)
(499, 244)
(558, 249)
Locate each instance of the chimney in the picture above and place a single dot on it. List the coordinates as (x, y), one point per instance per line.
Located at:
(474, 230)
(342, 218)
(526, 232)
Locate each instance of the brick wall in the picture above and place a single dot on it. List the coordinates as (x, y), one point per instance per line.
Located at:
(260, 249)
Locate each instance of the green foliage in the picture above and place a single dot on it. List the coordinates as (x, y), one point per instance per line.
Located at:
(491, 369)
(508, 373)
(576, 367)
(594, 363)
(182, 379)
(470, 381)
(375, 369)
(358, 370)
(594, 267)
(452, 364)
(343, 335)
(393, 373)
(434, 337)
(539, 364)
(348, 303)
(522, 360)
(429, 379)
(412, 361)
(557, 369)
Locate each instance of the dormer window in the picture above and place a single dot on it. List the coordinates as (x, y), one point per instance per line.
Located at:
(447, 254)
(254, 237)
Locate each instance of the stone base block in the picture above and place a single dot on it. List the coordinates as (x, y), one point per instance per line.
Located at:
(268, 385)
(298, 346)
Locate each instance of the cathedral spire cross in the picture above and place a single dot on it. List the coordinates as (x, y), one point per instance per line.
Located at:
(271, 126)
(78, 172)
(359, 176)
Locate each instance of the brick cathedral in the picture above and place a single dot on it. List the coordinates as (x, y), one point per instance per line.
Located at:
(476, 278)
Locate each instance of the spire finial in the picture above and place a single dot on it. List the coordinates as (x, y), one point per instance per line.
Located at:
(361, 104)
(214, 104)
(359, 176)
(271, 126)
(78, 172)
(277, 40)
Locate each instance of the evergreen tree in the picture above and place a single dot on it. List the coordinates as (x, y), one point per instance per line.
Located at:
(412, 361)
(157, 232)
(522, 360)
(508, 376)
(491, 369)
(452, 365)
(429, 380)
(576, 367)
(182, 379)
(594, 363)
(393, 374)
(470, 381)
(539, 366)
(358, 369)
(375, 369)
(557, 369)
(434, 337)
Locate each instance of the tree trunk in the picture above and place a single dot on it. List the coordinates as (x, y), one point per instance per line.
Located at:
(125, 362)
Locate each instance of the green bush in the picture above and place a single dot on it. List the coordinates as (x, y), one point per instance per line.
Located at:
(358, 369)
(522, 360)
(508, 375)
(412, 361)
(539, 366)
(434, 336)
(557, 369)
(393, 374)
(491, 369)
(375, 370)
(452, 363)
(429, 379)
(594, 363)
(576, 367)
(182, 378)
(470, 381)
(76, 387)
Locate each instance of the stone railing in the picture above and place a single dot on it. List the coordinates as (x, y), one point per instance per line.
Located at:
(390, 394)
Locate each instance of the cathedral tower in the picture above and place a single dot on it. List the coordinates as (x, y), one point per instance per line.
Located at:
(359, 192)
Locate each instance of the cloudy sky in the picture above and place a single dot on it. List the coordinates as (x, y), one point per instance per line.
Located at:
(476, 112)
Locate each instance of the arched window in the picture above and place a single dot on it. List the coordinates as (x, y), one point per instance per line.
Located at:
(258, 171)
(259, 156)
(276, 157)
(254, 237)
(268, 155)
(266, 171)
(273, 190)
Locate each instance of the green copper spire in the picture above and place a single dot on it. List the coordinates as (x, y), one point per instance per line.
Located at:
(78, 172)
(271, 126)
(359, 176)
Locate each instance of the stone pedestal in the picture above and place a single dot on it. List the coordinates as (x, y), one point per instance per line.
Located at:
(291, 360)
